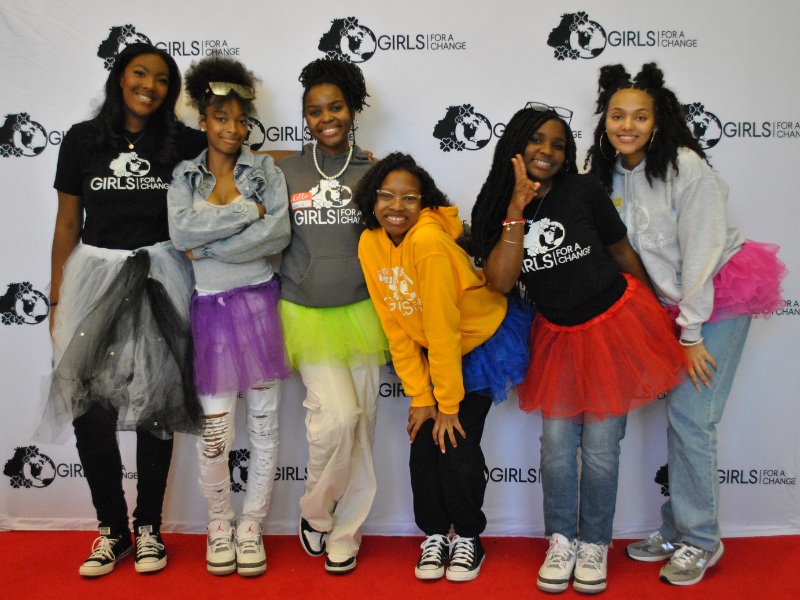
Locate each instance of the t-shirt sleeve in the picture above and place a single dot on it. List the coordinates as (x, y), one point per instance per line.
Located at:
(69, 178)
(609, 223)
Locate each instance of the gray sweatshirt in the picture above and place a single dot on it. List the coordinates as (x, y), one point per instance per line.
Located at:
(320, 266)
(680, 229)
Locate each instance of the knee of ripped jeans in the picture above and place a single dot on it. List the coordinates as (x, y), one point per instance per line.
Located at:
(266, 384)
(216, 433)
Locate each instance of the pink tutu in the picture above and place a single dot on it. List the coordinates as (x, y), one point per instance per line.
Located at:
(748, 284)
(238, 339)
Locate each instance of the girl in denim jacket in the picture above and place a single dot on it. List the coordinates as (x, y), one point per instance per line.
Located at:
(228, 212)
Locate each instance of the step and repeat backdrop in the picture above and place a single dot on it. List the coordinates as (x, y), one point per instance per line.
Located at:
(444, 77)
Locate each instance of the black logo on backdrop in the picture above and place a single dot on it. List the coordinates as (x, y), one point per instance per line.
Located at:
(256, 134)
(119, 37)
(577, 37)
(23, 305)
(462, 128)
(662, 479)
(705, 125)
(238, 465)
(19, 136)
(349, 41)
(29, 468)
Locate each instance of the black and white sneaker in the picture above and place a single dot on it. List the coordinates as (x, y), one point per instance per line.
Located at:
(151, 556)
(313, 541)
(340, 564)
(435, 551)
(106, 551)
(466, 557)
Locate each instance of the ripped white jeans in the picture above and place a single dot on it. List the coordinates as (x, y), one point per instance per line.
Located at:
(215, 444)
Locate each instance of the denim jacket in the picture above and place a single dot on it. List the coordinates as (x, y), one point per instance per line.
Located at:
(232, 233)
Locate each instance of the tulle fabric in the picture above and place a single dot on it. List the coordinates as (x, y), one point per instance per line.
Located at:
(748, 284)
(122, 340)
(348, 335)
(499, 364)
(238, 338)
(608, 366)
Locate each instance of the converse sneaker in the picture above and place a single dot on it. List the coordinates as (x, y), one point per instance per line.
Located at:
(435, 550)
(558, 565)
(653, 549)
(466, 557)
(251, 560)
(340, 564)
(590, 568)
(688, 565)
(106, 551)
(151, 556)
(220, 553)
(313, 541)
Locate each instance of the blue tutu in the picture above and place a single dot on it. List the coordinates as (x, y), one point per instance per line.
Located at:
(500, 363)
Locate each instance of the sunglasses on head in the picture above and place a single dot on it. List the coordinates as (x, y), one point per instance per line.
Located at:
(562, 112)
(223, 88)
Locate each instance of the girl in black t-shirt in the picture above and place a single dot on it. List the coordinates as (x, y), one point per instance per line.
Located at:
(600, 343)
(120, 338)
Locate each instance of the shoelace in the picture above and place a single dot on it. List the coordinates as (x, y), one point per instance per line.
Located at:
(685, 555)
(103, 547)
(433, 548)
(247, 544)
(592, 555)
(148, 545)
(463, 550)
(220, 543)
(558, 553)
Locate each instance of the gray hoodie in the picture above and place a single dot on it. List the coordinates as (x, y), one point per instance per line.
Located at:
(680, 229)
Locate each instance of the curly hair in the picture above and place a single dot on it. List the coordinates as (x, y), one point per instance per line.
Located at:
(344, 75)
(217, 68)
(492, 203)
(364, 196)
(673, 132)
(109, 120)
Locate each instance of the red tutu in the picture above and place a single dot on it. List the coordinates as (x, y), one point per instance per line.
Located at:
(608, 366)
(748, 284)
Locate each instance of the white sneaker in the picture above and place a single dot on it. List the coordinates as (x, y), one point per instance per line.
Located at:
(591, 568)
(220, 553)
(251, 560)
(556, 570)
(435, 552)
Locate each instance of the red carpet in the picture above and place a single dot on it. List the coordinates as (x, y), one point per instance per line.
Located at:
(45, 565)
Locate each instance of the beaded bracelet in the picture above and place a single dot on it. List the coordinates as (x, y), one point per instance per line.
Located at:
(686, 344)
(509, 222)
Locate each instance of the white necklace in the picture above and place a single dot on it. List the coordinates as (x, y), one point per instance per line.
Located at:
(344, 168)
(131, 144)
(541, 201)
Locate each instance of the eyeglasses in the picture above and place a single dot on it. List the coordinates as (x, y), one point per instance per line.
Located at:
(223, 88)
(389, 198)
(562, 112)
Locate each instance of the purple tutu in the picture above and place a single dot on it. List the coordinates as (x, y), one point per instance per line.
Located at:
(238, 339)
(748, 284)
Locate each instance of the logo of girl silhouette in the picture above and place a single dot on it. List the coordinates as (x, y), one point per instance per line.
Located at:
(349, 41)
(543, 236)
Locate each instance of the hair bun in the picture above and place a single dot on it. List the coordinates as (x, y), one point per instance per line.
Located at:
(612, 77)
(650, 76)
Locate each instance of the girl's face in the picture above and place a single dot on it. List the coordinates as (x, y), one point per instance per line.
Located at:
(630, 125)
(226, 127)
(328, 118)
(144, 84)
(546, 151)
(398, 203)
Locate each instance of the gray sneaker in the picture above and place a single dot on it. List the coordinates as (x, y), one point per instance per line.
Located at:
(689, 564)
(653, 549)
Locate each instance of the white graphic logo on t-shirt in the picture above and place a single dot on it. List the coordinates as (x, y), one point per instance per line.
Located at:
(325, 204)
(543, 247)
(129, 173)
(128, 164)
(400, 295)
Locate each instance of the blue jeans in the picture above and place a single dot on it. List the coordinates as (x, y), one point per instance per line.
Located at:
(581, 507)
(690, 515)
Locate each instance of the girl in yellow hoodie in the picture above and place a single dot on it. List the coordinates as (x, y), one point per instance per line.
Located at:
(454, 346)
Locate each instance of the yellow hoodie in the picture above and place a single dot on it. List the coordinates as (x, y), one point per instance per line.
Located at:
(428, 295)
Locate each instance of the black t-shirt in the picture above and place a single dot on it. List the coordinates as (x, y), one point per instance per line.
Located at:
(124, 190)
(567, 270)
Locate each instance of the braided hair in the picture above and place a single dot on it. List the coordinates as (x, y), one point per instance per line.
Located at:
(218, 69)
(364, 196)
(673, 132)
(492, 204)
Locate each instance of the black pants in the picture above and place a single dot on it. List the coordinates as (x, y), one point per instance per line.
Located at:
(98, 449)
(449, 488)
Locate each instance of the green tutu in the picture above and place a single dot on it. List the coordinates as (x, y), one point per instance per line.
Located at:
(341, 335)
